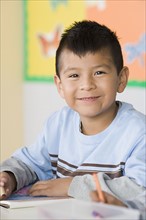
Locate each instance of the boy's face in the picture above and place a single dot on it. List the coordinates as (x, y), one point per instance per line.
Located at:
(89, 83)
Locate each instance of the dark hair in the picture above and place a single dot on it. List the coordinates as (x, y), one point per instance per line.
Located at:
(90, 36)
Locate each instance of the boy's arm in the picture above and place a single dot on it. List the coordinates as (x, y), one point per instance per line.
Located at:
(122, 188)
(24, 175)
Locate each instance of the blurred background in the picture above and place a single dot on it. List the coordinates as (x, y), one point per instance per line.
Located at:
(30, 32)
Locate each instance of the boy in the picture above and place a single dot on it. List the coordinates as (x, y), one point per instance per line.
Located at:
(94, 133)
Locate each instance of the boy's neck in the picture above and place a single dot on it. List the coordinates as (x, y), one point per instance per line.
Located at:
(92, 126)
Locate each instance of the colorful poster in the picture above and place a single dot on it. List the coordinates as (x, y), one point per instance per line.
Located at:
(45, 21)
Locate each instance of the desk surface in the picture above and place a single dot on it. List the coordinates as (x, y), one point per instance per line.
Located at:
(69, 209)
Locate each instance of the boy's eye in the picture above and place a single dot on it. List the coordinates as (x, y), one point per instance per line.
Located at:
(73, 76)
(99, 73)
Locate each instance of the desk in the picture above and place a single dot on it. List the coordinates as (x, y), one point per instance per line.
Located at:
(69, 209)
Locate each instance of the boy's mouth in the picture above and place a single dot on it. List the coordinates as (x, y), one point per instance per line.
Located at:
(92, 98)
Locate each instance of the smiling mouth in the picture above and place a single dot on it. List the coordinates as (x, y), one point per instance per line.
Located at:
(88, 98)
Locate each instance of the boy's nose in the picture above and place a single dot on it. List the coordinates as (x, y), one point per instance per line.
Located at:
(87, 84)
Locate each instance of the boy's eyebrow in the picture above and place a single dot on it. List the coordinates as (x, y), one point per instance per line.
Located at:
(101, 65)
(70, 69)
(93, 67)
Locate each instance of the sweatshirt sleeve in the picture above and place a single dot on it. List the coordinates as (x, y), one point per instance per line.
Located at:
(122, 188)
(23, 173)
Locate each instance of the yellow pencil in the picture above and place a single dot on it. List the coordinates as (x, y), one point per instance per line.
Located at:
(98, 188)
(2, 191)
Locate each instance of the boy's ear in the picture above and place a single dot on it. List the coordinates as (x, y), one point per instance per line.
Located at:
(123, 79)
(58, 84)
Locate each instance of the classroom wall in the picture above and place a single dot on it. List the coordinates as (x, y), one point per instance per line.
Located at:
(11, 99)
(26, 105)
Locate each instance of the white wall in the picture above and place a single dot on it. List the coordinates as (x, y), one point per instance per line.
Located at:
(136, 96)
(41, 99)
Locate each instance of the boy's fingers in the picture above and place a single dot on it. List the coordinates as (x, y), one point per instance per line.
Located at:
(94, 196)
(1, 184)
(41, 192)
(113, 200)
(37, 188)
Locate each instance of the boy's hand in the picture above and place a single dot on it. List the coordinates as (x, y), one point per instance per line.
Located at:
(109, 199)
(8, 183)
(54, 187)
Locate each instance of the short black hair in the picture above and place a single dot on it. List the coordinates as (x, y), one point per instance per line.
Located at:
(89, 36)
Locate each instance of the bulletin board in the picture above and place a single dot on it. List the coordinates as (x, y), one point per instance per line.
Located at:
(45, 20)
